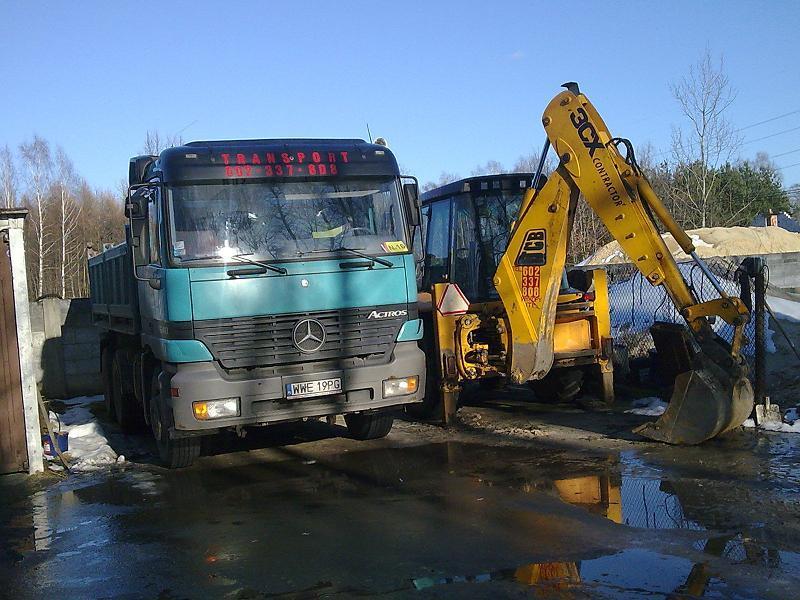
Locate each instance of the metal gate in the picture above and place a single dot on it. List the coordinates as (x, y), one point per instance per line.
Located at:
(13, 451)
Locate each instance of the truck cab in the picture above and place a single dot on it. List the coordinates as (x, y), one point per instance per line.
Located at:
(262, 281)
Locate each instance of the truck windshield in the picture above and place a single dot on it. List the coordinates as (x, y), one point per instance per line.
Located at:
(285, 219)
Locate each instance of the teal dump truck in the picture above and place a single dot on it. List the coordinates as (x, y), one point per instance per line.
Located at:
(262, 281)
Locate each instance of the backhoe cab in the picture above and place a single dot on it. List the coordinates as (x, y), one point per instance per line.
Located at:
(466, 227)
(516, 337)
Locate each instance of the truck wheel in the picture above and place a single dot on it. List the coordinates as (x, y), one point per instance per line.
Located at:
(106, 362)
(174, 453)
(126, 409)
(559, 385)
(369, 426)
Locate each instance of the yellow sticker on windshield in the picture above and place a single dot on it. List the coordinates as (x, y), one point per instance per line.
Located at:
(329, 233)
(394, 246)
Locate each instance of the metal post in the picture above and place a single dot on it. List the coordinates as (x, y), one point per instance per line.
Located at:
(755, 268)
(540, 166)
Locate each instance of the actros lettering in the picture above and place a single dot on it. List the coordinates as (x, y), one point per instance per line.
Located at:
(386, 314)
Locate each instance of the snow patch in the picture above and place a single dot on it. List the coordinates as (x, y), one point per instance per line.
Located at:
(782, 427)
(785, 309)
(88, 446)
(649, 407)
(697, 241)
(792, 424)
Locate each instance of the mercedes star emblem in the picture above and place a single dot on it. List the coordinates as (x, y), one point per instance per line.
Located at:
(308, 335)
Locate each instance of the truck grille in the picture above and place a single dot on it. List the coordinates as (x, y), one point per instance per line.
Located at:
(249, 342)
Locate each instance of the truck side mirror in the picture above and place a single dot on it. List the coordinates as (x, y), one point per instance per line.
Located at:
(138, 199)
(137, 168)
(411, 197)
(136, 207)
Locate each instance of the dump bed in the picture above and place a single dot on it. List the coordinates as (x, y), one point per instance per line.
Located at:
(115, 303)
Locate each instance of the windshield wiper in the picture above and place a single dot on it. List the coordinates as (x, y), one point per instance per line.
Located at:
(240, 258)
(377, 259)
(243, 258)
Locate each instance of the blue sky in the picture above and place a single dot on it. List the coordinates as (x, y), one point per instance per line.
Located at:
(449, 84)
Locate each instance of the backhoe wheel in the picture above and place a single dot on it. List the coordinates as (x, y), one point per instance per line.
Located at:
(174, 453)
(559, 385)
(106, 366)
(369, 426)
(126, 408)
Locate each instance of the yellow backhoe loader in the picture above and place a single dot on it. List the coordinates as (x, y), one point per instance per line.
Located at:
(466, 226)
(515, 338)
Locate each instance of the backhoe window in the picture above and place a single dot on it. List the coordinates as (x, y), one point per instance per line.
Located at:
(466, 258)
(495, 213)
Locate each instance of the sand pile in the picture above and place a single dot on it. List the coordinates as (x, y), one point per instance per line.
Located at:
(715, 241)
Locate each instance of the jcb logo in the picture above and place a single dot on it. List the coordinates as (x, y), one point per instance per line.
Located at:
(586, 131)
(533, 252)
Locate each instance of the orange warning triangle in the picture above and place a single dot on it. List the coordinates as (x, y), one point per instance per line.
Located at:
(453, 301)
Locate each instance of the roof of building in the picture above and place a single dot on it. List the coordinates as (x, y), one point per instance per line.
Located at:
(785, 221)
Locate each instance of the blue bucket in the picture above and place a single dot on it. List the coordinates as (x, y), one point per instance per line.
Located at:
(62, 441)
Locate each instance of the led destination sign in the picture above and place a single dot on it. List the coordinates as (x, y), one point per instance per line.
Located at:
(311, 163)
(266, 159)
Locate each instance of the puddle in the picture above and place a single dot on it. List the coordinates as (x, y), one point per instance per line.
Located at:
(429, 517)
(654, 575)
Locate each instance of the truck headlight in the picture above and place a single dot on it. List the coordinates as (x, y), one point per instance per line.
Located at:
(400, 387)
(205, 410)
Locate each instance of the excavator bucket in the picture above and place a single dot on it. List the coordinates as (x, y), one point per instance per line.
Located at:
(708, 398)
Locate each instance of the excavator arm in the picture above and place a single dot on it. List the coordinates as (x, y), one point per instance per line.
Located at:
(712, 394)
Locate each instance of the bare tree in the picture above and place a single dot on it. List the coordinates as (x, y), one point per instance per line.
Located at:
(528, 163)
(492, 167)
(709, 140)
(66, 183)
(155, 142)
(444, 179)
(8, 178)
(36, 158)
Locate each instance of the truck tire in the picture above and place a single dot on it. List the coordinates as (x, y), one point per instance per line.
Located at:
(174, 453)
(369, 426)
(126, 408)
(106, 362)
(559, 385)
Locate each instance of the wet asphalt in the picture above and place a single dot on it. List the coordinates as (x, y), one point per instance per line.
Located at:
(304, 512)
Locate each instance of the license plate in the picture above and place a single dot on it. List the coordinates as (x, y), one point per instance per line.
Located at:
(317, 387)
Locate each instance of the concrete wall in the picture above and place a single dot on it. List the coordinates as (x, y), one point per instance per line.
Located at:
(784, 270)
(66, 348)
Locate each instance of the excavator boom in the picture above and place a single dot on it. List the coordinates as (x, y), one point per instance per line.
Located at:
(712, 393)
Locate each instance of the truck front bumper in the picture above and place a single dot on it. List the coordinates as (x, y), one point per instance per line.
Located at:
(264, 401)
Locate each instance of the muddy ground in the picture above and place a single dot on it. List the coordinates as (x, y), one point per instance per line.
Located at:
(519, 499)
